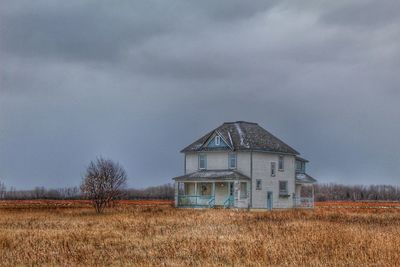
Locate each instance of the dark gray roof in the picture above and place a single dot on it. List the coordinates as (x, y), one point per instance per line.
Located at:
(303, 178)
(212, 175)
(241, 135)
(301, 159)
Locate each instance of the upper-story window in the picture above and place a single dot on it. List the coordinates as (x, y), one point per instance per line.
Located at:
(300, 166)
(232, 161)
(217, 140)
(273, 169)
(281, 164)
(202, 161)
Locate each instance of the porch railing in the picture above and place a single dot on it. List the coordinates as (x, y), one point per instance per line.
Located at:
(303, 202)
(196, 201)
(211, 202)
(228, 202)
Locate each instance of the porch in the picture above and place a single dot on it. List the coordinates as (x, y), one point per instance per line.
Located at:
(304, 191)
(219, 189)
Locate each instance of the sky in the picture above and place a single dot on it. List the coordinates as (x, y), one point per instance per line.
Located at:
(136, 81)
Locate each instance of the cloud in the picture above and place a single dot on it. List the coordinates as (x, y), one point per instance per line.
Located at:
(137, 81)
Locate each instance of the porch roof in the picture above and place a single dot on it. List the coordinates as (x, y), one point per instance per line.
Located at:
(304, 178)
(205, 175)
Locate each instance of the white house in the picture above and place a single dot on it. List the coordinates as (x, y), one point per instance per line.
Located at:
(242, 165)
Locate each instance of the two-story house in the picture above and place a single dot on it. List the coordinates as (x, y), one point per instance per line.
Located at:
(242, 165)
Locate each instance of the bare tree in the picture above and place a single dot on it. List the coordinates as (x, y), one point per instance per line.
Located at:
(103, 182)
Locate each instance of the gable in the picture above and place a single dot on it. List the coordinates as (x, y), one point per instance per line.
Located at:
(213, 143)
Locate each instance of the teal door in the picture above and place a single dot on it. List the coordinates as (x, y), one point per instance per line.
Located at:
(269, 200)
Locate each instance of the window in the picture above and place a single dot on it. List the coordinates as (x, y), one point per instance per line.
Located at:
(273, 169)
(281, 163)
(243, 190)
(202, 161)
(232, 161)
(217, 140)
(300, 166)
(258, 184)
(283, 187)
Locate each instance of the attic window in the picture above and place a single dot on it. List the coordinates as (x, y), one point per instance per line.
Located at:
(217, 140)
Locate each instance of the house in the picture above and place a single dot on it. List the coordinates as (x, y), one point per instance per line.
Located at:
(242, 165)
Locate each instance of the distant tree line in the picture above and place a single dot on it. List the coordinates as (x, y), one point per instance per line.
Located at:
(40, 193)
(333, 192)
(323, 192)
(165, 191)
(70, 193)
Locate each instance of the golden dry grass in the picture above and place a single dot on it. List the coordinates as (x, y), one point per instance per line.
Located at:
(162, 235)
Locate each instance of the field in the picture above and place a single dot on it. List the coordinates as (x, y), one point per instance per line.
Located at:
(69, 233)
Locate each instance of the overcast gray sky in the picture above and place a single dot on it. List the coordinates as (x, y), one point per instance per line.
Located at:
(136, 81)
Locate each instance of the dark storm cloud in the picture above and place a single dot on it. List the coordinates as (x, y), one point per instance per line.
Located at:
(365, 14)
(138, 80)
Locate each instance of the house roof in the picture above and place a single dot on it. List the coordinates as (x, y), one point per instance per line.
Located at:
(242, 135)
(303, 178)
(213, 175)
(301, 159)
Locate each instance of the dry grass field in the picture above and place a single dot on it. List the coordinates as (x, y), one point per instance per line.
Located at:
(46, 233)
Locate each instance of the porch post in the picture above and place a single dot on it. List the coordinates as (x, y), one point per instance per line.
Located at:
(313, 198)
(213, 189)
(195, 191)
(176, 193)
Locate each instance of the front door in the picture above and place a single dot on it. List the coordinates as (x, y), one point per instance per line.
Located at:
(269, 200)
(221, 192)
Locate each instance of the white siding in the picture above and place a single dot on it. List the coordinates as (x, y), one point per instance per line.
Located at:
(191, 162)
(243, 163)
(262, 171)
(215, 161)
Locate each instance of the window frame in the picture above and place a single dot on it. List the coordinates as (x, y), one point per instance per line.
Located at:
(302, 168)
(258, 184)
(217, 140)
(273, 168)
(281, 163)
(286, 191)
(230, 161)
(200, 159)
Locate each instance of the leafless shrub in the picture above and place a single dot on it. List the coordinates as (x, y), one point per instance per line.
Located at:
(103, 183)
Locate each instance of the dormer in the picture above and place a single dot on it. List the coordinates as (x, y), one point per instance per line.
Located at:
(216, 141)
